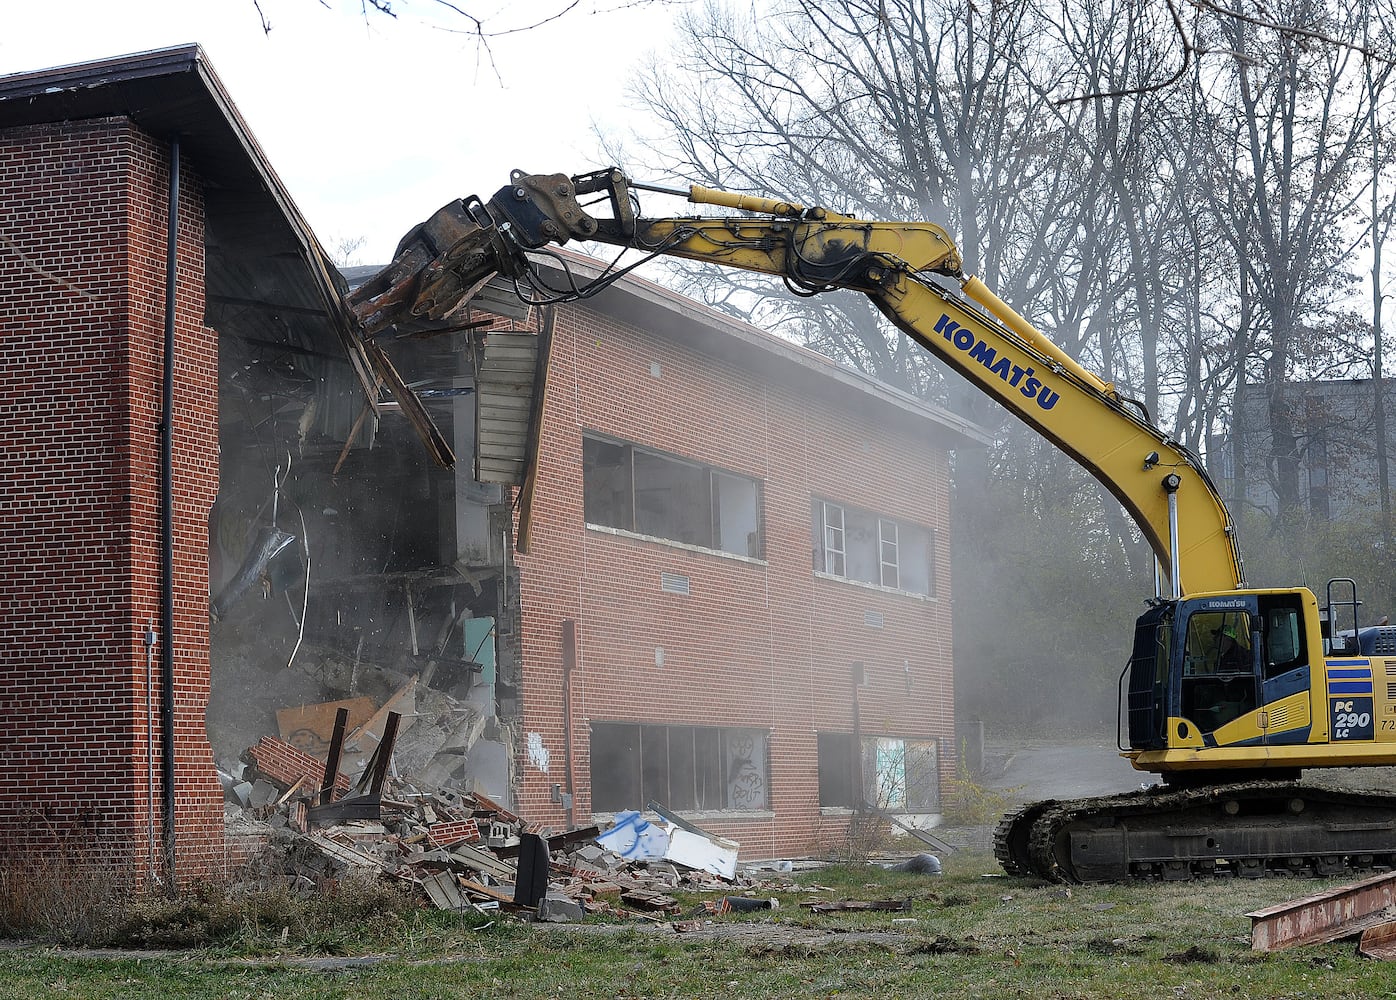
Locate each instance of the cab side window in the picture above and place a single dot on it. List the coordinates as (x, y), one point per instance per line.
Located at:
(1284, 640)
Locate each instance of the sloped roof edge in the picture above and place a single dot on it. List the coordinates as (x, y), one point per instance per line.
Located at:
(176, 92)
(774, 349)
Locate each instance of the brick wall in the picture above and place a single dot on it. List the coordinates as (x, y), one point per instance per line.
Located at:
(760, 646)
(82, 278)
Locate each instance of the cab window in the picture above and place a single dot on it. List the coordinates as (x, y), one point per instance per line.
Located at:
(1284, 638)
(1218, 642)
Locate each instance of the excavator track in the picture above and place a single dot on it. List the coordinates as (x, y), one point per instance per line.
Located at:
(1012, 838)
(1249, 830)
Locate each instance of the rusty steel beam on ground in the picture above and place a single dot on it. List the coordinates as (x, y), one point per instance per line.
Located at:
(1344, 911)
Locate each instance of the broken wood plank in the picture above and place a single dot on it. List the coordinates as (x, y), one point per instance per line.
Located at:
(403, 702)
(339, 852)
(311, 727)
(484, 861)
(443, 891)
(833, 906)
(301, 782)
(483, 890)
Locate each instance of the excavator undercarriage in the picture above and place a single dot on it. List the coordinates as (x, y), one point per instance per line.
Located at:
(1248, 829)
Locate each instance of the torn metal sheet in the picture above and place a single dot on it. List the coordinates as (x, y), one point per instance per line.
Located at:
(710, 854)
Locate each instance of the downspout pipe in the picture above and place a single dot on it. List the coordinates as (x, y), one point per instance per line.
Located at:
(167, 734)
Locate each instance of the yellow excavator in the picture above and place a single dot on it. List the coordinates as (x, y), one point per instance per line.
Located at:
(1230, 692)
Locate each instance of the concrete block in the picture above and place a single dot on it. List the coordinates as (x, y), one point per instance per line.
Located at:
(559, 909)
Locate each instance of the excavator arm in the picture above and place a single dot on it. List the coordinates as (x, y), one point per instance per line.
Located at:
(911, 270)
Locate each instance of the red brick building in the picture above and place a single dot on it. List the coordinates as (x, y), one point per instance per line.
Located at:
(736, 601)
(739, 560)
(104, 664)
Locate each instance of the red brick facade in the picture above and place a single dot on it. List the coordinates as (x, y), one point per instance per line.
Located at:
(83, 210)
(762, 644)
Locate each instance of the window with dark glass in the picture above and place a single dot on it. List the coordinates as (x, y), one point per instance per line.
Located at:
(649, 492)
(679, 767)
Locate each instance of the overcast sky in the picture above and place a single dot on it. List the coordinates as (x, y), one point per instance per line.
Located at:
(374, 123)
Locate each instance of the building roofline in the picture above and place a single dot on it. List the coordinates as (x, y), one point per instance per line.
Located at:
(797, 362)
(173, 92)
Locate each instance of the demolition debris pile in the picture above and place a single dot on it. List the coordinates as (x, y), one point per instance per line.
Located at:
(305, 819)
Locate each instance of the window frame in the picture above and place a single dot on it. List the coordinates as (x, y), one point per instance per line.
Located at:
(832, 551)
(883, 523)
(631, 512)
(884, 557)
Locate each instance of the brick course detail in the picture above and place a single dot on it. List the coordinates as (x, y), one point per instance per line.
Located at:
(446, 834)
(83, 217)
(286, 765)
(756, 644)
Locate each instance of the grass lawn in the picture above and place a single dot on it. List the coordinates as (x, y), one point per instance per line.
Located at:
(968, 933)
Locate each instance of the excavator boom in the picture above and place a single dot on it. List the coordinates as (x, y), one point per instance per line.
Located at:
(910, 270)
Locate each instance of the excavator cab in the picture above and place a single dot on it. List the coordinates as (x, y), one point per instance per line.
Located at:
(1229, 670)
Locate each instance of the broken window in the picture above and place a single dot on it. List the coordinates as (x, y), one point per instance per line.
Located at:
(859, 545)
(680, 767)
(895, 775)
(645, 491)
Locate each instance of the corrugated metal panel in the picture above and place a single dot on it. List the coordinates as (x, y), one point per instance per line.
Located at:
(505, 401)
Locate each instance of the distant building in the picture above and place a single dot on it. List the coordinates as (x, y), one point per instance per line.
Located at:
(1335, 455)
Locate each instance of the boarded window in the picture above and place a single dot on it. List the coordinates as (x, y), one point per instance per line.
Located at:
(836, 776)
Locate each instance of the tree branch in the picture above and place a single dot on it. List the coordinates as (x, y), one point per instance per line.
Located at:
(1290, 29)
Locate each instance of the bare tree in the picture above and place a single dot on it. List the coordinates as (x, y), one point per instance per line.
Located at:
(1289, 142)
(480, 23)
(1381, 218)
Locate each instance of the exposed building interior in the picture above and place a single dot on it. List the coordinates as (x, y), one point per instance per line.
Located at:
(348, 566)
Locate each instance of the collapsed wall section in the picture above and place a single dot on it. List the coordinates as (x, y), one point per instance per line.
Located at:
(83, 217)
